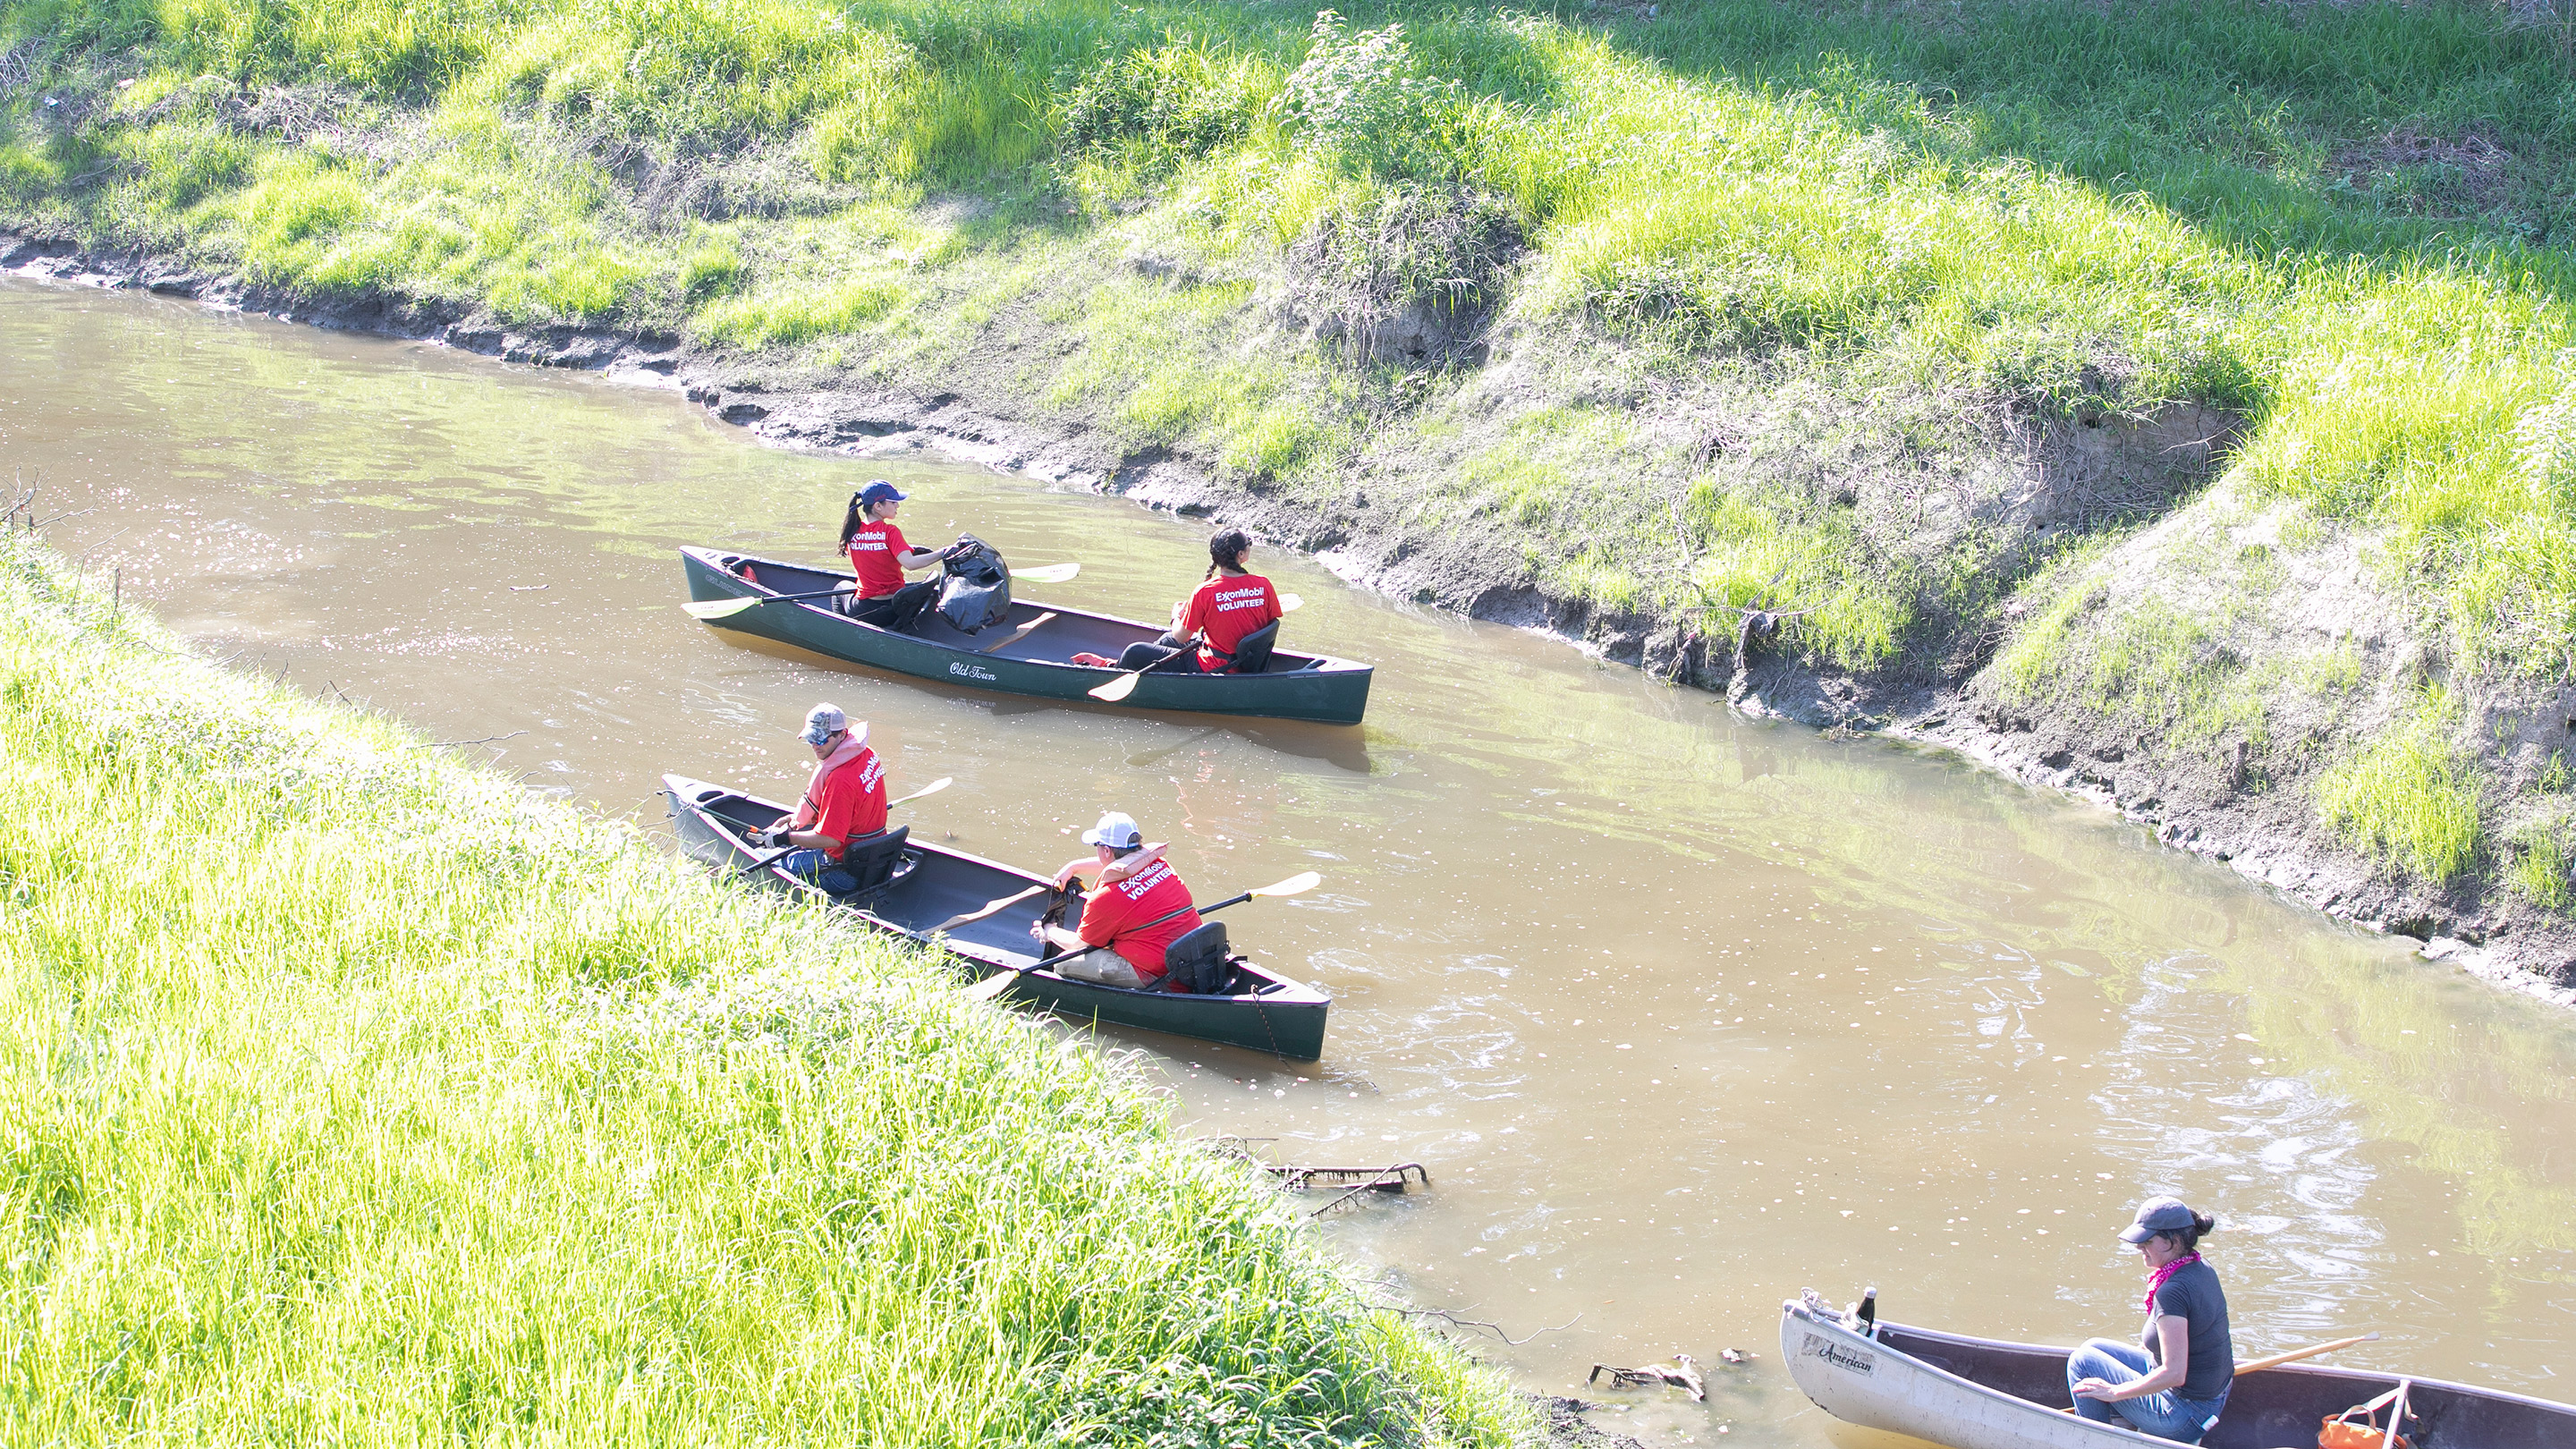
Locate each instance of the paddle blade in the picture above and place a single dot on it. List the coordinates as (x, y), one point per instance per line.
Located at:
(1119, 688)
(1290, 603)
(933, 788)
(989, 908)
(719, 608)
(1292, 886)
(1048, 574)
(992, 986)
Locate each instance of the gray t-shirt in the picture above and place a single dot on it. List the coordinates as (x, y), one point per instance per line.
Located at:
(2193, 1295)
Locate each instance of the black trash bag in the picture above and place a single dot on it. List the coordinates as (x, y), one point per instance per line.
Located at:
(975, 591)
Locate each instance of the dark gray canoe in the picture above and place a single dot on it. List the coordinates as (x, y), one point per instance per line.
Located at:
(1269, 1012)
(1983, 1393)
(1312, 687)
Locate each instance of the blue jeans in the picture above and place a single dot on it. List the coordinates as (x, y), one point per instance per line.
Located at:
(2167, 1415)
(821, 869)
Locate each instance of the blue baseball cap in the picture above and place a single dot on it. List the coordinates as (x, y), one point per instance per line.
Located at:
(2159, 1215)
(880, 491)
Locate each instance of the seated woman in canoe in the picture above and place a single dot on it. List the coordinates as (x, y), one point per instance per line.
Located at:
(845, 801)
(1140, 908)
(879, 556)
(2173, 1382)
(1230, 603)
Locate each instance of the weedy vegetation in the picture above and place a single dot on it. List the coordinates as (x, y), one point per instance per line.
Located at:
(348, 1093)
(2407, 798)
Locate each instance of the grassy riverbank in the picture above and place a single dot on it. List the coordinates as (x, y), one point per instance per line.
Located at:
(2181, 389)
(351, 1094)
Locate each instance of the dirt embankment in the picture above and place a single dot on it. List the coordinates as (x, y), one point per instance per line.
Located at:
(2283, 654)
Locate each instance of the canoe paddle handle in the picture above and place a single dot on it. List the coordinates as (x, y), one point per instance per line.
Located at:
(1149, 925)
(1000, 981)
(767, 860)
(749, 866)
(2311, 1351)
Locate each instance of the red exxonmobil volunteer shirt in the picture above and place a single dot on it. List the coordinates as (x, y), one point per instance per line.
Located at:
(1224, 610)
(854, 801)
(1113, 912)
(872, 554)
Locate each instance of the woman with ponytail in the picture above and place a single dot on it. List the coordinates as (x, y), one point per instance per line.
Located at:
(879, 556)
(2173, 1382)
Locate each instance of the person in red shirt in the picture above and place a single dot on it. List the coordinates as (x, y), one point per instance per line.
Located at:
(1125, 914)
(1230, 603)
(879, 555)
(844, 802)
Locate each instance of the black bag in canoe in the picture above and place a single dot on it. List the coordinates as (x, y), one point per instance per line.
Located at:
(975, 590)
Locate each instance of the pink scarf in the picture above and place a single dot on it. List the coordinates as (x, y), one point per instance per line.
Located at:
(2167, 1271)
(807, 811)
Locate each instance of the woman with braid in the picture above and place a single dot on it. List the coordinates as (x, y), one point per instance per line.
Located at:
(1230, 603)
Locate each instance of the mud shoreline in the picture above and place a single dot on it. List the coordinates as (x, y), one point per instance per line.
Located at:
(2270, 840)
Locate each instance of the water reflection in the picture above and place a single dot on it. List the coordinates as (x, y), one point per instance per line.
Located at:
(1683, 1012)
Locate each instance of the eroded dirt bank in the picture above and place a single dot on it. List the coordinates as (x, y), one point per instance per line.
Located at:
(2180, 576)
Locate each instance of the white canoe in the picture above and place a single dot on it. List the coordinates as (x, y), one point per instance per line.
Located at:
(1977, 1393)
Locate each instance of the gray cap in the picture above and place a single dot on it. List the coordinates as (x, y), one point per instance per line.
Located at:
(2159, 1215)
(824, 721)
(1116, 830)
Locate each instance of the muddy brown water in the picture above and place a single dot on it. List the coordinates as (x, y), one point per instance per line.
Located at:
(1682, 1012)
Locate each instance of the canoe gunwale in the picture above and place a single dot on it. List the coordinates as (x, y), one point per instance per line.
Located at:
(1279, 995)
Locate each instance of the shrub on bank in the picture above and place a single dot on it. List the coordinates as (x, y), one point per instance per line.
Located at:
(348, 1093)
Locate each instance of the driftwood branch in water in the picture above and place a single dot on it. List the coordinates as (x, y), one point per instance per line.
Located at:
(1453, 1320)
(1682, 1373)
(452, 744)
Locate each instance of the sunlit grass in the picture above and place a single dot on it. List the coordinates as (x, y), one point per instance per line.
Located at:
(2540, 870)
(348, 1094)
(2407, 798)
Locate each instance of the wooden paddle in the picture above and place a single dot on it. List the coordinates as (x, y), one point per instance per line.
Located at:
(1138, 860)
(727, 608)
(1000, 981)
(1018, 634)
(933, 788)
(2296, 1354)
(1125, 684)
(988, 908)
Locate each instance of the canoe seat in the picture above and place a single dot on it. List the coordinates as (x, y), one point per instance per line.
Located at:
(875, 862)
(1252, 651)
(1199, 962)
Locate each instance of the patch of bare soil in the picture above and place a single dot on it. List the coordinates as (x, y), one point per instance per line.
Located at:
(2464, 175)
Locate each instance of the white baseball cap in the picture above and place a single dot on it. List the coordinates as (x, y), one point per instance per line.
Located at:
(1116, 830)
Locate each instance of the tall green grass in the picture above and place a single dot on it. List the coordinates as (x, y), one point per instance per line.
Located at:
(349, 1095)
(2408, 798)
